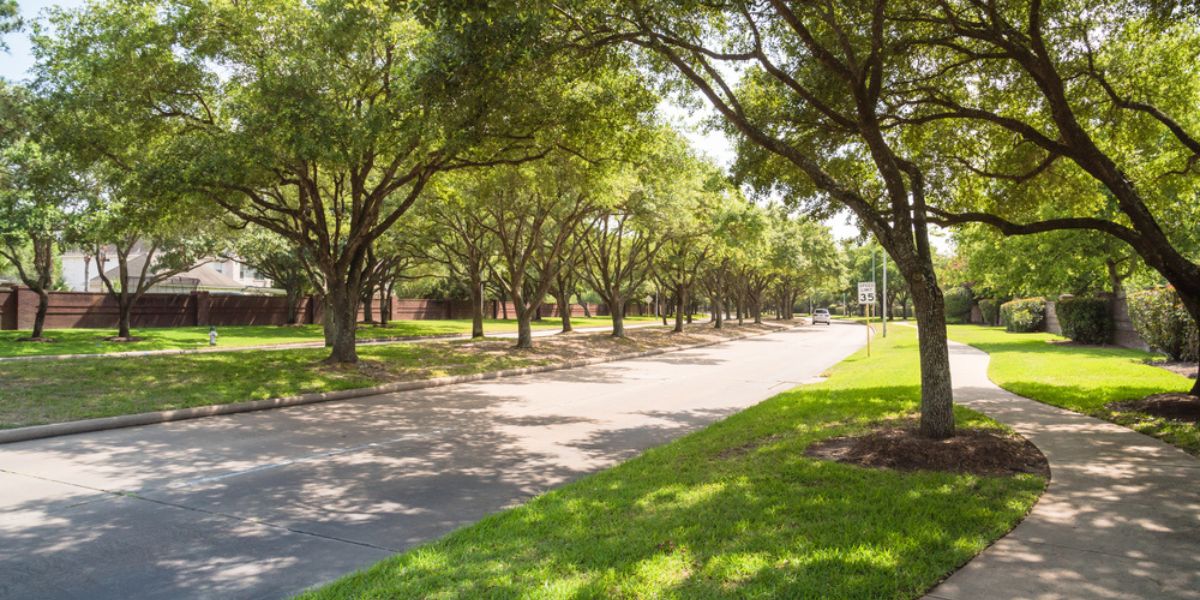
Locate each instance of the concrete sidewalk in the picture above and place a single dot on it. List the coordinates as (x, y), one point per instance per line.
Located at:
(1121, 517)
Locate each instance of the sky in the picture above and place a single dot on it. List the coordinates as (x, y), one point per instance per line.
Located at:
(16, 63)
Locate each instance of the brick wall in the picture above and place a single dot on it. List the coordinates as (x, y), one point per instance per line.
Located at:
(8, 309)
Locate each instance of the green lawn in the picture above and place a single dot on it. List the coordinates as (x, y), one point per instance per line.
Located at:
(1080, 378)
(91, 341)
(41, 392)
(733, 511)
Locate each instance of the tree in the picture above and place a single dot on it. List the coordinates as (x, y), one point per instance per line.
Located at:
(690, 240)
(804, 257)
(36, 198)
(810, 109)
(453, 233)
(536, 212)
(280, 261)
(150, 242)
(322, 122)
(10, 20)
(622, 240)
(1093, 93)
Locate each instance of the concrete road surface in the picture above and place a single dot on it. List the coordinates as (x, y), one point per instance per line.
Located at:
(266, 504)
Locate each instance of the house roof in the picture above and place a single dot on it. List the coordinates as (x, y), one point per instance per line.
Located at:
(201, 277)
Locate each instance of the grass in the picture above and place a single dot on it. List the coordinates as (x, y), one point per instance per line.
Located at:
(1081, 378)
(733, 511)
(92, 341)
(40, 392)
(54, 391)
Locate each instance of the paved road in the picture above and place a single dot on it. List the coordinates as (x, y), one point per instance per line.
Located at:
(1120, 519)
(262, 505)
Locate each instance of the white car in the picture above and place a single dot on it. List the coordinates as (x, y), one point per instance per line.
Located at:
(820, 315)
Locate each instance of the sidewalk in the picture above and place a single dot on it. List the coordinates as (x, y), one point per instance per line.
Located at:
(1120, 519)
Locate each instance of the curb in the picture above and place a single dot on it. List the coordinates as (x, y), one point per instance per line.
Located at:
(36, 432)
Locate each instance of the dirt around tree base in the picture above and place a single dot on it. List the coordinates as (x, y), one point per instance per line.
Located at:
(36, 340)
(123, 340)
(976, 451)
(1177, 406)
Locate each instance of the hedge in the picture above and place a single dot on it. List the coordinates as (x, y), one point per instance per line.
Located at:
(990, 309)
(1023, 315)
(1159, 317)
(958, 305)
(1085, 320)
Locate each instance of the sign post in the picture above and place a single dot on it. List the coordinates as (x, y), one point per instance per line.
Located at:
(866, 297)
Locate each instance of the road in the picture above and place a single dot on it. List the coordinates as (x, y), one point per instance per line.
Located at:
(265, 504)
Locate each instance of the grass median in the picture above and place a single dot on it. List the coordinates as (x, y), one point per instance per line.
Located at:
(41, 392)
(733, 511)
(92, 341)
(1085, 379)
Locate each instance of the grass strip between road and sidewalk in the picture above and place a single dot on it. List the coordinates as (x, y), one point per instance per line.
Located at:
(93, 341)
(735, 510)
(44, 392)
(1081, 378)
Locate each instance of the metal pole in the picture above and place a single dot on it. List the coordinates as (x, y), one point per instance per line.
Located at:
(885, 296)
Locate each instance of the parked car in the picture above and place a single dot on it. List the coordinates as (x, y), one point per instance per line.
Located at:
(821, 315)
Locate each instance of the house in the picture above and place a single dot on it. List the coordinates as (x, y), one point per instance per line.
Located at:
(225, 275)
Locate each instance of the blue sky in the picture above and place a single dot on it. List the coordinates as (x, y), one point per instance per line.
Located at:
(14, 65)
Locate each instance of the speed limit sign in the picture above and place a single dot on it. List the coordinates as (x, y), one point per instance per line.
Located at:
(866, 292)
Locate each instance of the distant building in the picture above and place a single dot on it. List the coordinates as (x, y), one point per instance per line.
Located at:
(81, 273)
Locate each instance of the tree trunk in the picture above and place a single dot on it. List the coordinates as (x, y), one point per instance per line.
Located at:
(293, 304)
(385, 304)
(587, 312)
(757, 306)
(341, 322)
(524, 329)
(718, 314)
(680, 308)
(476, 309)
(564, 312)
(125, 310)
(618, 314)
(368, 308)
(39, 319)
(937, 392)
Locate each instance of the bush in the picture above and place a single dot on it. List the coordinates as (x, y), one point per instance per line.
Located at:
(958, 305)
(1085, 320)
(1023, 315)
(990, 309)
(1159, 317)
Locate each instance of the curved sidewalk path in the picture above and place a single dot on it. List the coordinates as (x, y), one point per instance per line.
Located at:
(1120, 519)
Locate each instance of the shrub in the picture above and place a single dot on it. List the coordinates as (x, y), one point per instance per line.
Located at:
(990, 309)
(1085, 320)
(1159, 317)
(958, 305)
(1023, 315)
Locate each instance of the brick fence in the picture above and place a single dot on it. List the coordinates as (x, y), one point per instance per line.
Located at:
(69, 310)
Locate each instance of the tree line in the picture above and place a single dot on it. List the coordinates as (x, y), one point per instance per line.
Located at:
(328, 124)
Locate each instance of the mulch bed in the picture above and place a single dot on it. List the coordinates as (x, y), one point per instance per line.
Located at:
(1186, 368)
(124, 340)
(976, 451)
(36, 340)
(1176, 406)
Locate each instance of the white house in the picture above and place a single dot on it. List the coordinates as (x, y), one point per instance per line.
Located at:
(225, 275)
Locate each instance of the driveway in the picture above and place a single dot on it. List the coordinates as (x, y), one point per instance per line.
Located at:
(266, 504)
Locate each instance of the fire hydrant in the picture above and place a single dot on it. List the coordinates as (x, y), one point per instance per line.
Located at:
(212, 336)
